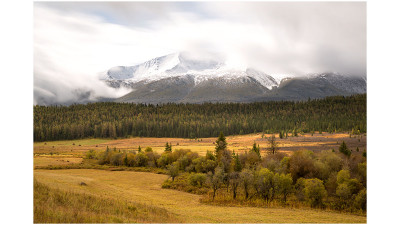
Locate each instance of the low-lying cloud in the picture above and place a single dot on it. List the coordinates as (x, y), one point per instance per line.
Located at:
(74, 42)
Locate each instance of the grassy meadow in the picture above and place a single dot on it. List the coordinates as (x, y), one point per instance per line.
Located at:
(118, 189)
(53, 205)
(65, 150)
(109, 196)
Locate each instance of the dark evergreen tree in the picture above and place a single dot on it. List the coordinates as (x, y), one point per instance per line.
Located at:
(256, 149)
(168, 147)
(343, 149)
(220, 145)
(237, 165)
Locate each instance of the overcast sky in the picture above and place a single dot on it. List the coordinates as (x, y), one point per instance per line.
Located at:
(73, 42)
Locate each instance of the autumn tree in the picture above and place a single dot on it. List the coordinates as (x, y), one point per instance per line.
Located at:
(235, 181)
(266, 183)
(173, 170)
(246, 178)
(315, 192)
(215, 179)
(273, 145)
(285, 185)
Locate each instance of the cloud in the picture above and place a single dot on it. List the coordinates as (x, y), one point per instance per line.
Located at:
(73, 42)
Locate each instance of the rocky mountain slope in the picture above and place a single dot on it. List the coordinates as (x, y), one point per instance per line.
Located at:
(180, 77)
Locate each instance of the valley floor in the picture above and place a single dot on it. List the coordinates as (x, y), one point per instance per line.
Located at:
(142, 187)
(238, 143)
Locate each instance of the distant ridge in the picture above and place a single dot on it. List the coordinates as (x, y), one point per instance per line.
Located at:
(179, 77)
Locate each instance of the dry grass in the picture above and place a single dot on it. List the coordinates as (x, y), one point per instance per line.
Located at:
(239, 143)
(54, 161)
(59, 206)
(145, 188)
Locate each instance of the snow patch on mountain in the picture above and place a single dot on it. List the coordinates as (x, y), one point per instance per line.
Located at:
(182, 64)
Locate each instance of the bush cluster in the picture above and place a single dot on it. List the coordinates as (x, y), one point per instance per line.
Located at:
(323, 179)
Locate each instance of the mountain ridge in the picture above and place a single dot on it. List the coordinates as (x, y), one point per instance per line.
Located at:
(179, 77)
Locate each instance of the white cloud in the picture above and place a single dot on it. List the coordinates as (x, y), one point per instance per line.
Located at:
(72, 44)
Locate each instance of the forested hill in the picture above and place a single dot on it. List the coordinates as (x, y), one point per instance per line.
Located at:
(112, 120)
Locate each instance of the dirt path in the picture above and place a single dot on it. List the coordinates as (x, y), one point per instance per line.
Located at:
(146, 188)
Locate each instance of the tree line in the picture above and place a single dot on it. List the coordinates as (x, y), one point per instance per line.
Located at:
(334, 179)
(113, 120)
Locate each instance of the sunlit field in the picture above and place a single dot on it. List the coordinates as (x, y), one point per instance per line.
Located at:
(239, 143)
(128, 189)
(145, 188)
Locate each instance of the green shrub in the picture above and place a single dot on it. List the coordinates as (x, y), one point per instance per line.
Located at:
(173, 170)
(360, 201)
(315, 192)
(141, 160)
(197, 179)
(343, 176)
(164, 160)
(91, 154)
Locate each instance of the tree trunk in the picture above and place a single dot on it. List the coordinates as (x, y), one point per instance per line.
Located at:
(214, 194)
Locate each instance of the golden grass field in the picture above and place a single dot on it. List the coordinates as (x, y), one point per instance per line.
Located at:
(77, 148)
(121, 189)
(145, 188)
(52, 205)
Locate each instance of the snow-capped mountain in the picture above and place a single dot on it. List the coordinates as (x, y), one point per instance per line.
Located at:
(346, 83)
(182, 64)
(181, 77)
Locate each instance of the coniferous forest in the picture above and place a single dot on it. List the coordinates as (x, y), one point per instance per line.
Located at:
(113, 120)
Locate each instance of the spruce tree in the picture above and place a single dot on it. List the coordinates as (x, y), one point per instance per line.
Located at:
(343, 149)
(220, 144)
(256, 149)
(168, 147)
(237, 165)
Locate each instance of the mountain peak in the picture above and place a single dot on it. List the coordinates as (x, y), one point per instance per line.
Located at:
(205, 68)
(201, 67)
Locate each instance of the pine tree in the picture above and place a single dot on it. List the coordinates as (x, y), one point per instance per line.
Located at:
(256, 149)
(220, 144)
(168, 147)
(237, 165)
(343, 149)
